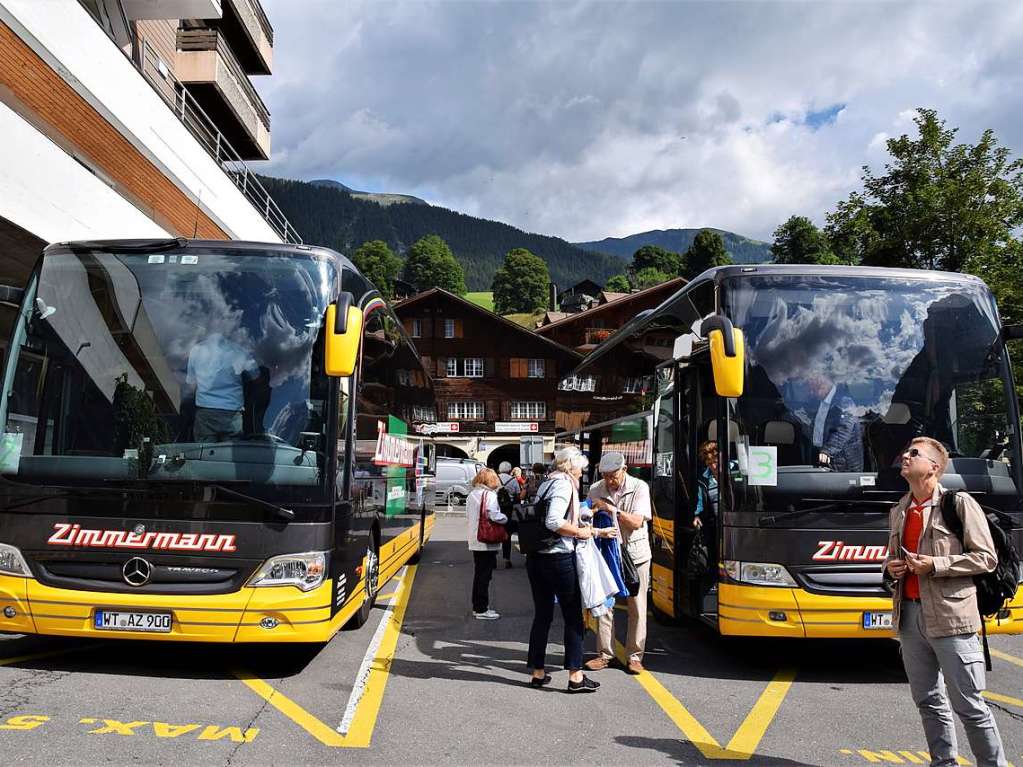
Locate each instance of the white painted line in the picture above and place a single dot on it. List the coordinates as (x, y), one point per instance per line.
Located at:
(367, 661)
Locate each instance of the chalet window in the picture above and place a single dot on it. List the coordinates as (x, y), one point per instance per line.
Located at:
(578, 383)
(465, 411)
(449, 328)
(536, 368)
(637, 385)
(417, 329)
(529, 411)
(424, 413)
(468, 367)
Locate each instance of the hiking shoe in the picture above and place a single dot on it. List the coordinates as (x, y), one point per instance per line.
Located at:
(597, 664)
(489, 615)
(586, 685)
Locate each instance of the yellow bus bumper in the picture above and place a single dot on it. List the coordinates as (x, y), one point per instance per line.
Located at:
(781, 612)
(236, 617)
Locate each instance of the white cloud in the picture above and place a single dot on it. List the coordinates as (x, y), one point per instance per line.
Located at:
(589, 120)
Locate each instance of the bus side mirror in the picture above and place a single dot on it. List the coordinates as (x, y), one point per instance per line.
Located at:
(727, 355)
(343, 332)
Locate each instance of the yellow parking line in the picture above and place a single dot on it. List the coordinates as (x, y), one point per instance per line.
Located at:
(998, 698)
(1007, 657)
(744, 742)
(360, 733)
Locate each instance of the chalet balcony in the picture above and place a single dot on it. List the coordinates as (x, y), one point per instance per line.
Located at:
(207, 65)
(249, 34)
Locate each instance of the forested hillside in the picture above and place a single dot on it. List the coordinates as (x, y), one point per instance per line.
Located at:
(742, 249)
(332, 217)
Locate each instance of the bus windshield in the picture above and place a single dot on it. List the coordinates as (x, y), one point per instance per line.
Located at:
(187, 364)
(853, 367)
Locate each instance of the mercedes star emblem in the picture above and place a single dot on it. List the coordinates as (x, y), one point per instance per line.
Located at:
(137, 571)
(139, 529)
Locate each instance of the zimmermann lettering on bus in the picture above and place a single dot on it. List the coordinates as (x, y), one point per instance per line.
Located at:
(75, 535)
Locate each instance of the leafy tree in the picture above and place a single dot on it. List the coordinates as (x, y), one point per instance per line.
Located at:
(647, 278)
(706, 252)
(798, 241)
(619, 283)
(379, 264)
(656, 257)
(430, 264)
(938, 205)
(521, 284)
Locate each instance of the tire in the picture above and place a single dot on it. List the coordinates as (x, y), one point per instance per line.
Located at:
(372, 579)
(456, 499)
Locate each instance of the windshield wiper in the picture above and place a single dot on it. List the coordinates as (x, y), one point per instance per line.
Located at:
(280, 511)
(774, 518)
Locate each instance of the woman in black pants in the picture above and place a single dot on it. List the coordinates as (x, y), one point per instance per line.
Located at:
(482, 500)
(552, 573)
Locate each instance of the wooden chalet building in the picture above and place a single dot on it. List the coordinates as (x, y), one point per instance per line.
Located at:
(622, 383)
(494, 379)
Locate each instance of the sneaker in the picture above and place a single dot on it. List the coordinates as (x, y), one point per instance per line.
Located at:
(586, 685)
(489, 615)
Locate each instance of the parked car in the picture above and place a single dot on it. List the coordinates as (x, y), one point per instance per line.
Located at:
(454, 479)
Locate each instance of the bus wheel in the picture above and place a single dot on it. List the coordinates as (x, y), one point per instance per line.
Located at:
(372, 580)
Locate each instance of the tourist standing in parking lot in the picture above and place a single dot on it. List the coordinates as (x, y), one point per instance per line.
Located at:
(627, 500)
(553, 576)
(935, 607)
(483, 500)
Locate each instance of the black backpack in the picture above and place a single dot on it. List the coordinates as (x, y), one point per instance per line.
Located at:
(995, 588)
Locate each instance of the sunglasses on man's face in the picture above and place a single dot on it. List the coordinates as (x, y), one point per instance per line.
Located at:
(914, 452)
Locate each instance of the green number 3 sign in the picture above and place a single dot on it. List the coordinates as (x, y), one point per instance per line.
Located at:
(763, 465)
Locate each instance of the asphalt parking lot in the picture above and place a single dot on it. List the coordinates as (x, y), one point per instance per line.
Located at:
(425, 683)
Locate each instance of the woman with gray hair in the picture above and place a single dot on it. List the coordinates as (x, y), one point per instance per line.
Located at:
(552, 572)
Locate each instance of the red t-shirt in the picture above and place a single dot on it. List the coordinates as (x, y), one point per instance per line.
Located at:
(910, 538)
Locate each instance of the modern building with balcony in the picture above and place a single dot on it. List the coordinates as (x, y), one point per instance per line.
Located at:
(131, 119)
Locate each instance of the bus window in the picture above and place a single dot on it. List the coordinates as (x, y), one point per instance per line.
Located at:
(664, 459)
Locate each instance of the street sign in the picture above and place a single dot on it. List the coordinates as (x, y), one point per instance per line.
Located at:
(515, 426)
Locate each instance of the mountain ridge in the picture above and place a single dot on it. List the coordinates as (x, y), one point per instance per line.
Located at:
(744, 250)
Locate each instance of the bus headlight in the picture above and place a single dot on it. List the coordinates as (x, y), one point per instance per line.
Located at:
(759, 573)
(12, 563)
(303, 571)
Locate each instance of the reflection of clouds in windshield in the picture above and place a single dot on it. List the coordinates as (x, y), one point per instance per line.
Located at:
(868, 338)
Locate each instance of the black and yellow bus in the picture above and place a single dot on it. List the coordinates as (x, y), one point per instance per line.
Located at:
(206, 441)
(811, 381)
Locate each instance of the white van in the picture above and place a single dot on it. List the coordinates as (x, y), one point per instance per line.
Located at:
(454, 479)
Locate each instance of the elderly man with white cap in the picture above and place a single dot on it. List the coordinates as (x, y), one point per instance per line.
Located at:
(627, 500)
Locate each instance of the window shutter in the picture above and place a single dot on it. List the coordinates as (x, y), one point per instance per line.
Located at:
(458, 328)
(516, 367)
(489, 367)
(407, 324)
(428, 328)
(442, 367)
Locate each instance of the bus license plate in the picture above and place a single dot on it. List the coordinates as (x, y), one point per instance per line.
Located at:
(108, 620)
(877, 620)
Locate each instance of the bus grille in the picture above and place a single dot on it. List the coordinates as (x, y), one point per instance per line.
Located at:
(863, 581)
(108, 575)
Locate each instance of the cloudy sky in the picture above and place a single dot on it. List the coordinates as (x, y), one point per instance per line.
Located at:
(587, 120)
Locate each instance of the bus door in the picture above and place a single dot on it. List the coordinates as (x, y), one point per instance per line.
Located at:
(664, 492)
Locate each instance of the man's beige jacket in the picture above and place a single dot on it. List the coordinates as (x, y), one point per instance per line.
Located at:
(948, 596)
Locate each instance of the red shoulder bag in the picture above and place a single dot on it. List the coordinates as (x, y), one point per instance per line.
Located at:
(488, 530)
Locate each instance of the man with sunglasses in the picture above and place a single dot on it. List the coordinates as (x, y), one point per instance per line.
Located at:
(627, 500)
(934, 604)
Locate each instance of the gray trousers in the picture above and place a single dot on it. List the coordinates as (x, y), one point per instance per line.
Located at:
(635, 639)
(213, 425)
(959, 660)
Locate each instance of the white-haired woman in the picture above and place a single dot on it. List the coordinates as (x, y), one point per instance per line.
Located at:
(552, 573)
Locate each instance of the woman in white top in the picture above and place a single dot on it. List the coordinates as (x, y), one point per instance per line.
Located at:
(483, 499)
(553, 575)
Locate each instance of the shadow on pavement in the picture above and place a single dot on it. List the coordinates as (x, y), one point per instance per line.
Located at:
(687, 754)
